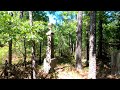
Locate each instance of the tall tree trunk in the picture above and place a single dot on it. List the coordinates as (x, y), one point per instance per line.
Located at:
(70, 43)
(59, 52)
(100, 35)
(33, 49)
(92, 46)
(87, 44)
(10, 52)
(74, 46)
(87, 41)
(10, 42)
(24, 41)
(79, 42)
(40, 62)
(25, 51)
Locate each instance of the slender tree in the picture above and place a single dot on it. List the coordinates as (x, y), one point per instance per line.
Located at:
(24, 41)
(33, 48)
(79, 41)
(100, 28)
(87, 44)
(10, 42)
(40, 53)
(10, 51)
(87, 39)
(92, 46)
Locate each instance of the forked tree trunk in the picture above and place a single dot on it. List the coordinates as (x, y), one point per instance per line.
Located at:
(92, 46)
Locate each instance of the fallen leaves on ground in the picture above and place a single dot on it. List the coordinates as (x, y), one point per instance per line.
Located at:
(67, 72)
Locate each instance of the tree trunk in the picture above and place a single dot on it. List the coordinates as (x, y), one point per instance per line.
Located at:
(74, 46)
(21, 14)
(92, 46)
(70, 43)
(24, 41)
(25, 51)
(87, 41)
(33, 49)
(10, 52)
(40, 54)
(59, 52)
(10, 43)
(87, 44)
(79, 42)
(100, 35)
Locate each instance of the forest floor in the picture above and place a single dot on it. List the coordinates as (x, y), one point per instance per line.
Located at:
(62, 71)
(65, 69)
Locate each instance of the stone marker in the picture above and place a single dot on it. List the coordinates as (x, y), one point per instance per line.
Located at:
(115, 62)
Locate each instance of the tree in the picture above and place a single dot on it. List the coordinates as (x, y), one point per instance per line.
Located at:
(10, 42)
(87, 45)
(100, 28)
(79, 41)
(33, 48)
(24, 41)
(92, 46)
(87, 37)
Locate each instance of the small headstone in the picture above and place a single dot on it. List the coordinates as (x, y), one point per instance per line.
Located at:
(115, 62)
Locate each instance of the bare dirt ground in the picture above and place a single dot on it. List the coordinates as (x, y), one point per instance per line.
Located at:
(67, 71)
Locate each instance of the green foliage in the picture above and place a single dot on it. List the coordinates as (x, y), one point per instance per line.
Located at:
(3, 54)
(13, 27)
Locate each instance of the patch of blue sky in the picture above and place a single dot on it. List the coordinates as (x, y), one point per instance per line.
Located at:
(54, 18)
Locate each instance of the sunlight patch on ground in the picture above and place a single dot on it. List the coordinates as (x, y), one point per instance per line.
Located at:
(69, 72)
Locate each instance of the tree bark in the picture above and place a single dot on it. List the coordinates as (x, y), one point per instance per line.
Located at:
(10, 43)
(40, 53)
(87, 41)
(100, 35)
(87, 44)
(10, 52)
(70, 43)
(79, 42)
(24, 41)
(92, 46)
(25, 51)
(33, 49)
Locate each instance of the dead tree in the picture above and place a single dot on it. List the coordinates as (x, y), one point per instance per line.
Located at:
(49, 61)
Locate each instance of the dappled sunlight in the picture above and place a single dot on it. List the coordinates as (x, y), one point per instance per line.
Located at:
(59, 44)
